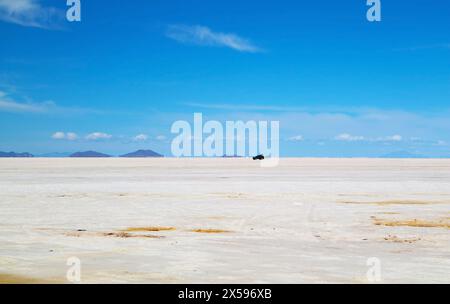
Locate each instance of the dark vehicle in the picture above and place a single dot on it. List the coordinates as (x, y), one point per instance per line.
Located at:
(259, 157)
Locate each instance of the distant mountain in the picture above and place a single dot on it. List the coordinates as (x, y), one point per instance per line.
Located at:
(403, 154)
(54, 155)
(89, 154)
(14, 154)
(142, 154)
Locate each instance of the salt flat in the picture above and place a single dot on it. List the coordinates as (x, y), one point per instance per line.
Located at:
(224, 220)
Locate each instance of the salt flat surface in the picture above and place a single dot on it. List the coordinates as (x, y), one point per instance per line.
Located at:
(305, 221)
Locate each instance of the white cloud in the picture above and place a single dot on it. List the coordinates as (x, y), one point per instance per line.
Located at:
(296, 138)
(98, 136)
(30, 13)
(369, 125)
(394, 138)
(348, 137)
(59, 135)
(71, 136)
(202, 35)
(390, 138)
(68, 136)
(140, 137)
(161, 137)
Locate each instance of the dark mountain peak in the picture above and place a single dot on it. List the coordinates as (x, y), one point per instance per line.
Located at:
(89, 154)
(143, 153)
(14, 154)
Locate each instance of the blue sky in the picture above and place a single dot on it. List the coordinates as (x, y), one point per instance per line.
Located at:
(117, 80)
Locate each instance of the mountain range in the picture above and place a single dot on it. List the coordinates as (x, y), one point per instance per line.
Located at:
(89, 154)
(142, 154)
(150, 154)
(84, 154)
(14, 154)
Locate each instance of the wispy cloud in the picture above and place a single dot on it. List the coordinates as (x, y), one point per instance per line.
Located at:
(7, 104)
(243, 107)
(202, 35)
(255, 107)
(12, 105)
(30, 13)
